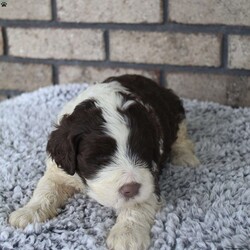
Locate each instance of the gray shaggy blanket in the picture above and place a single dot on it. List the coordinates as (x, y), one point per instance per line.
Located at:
(205, 208)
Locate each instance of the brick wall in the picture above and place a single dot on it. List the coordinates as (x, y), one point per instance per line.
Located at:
(199, 48)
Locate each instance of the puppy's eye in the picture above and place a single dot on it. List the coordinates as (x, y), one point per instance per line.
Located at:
(96, 151)
(99, 155)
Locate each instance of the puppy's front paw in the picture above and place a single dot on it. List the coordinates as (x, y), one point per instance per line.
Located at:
(26, 215)
(128, 237)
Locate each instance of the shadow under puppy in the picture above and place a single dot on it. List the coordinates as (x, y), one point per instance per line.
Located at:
(111, 142)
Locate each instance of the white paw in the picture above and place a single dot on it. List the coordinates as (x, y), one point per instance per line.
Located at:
(26, 215)
(185, 159)
(128, 237)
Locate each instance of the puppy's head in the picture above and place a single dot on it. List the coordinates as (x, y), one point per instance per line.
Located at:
(114, 149)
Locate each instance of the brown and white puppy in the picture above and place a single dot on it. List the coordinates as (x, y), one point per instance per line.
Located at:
(111, 142)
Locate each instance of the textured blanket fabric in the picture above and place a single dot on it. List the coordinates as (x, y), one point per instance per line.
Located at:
(205, 208)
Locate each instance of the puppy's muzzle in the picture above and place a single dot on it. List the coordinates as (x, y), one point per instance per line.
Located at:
(130, 190)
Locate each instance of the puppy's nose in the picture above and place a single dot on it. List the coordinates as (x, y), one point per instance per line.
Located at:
(130, 190)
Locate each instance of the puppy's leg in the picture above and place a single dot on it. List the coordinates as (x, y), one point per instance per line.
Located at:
(52, 191)
(133, 225)
(182, 151)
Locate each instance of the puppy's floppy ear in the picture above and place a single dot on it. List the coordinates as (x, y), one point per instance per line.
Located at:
(64, 141)
(62, 148)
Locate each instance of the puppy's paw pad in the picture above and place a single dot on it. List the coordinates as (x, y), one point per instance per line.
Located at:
(24, 216)
(123, 237)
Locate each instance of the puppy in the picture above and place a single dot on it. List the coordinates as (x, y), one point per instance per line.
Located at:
(111, 142)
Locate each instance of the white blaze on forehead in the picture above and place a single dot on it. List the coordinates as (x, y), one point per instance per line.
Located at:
(109, 100)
